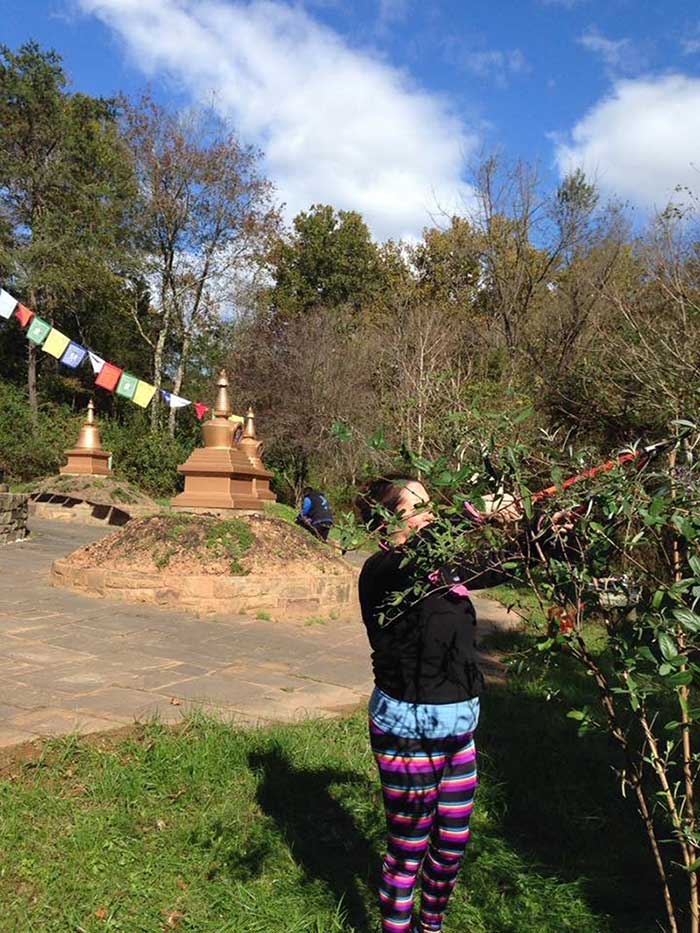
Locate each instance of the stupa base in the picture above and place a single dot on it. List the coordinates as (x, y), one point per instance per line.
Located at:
(81, 463)
(206, 502)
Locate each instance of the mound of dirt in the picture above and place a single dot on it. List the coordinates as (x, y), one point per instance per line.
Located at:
(205, 544)
(98, 490)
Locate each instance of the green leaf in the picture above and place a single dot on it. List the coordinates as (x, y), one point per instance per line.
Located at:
(688, 619)
(378, 441)
(341, 432)
(681, 678)
(694, 866)
(658, 599)
(694, 562)
(577, 714)
(524, 415)
(667, 645)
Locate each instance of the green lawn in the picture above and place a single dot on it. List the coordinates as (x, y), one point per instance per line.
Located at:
(215, 829)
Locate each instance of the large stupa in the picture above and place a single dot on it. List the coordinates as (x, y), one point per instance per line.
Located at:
(227, 474)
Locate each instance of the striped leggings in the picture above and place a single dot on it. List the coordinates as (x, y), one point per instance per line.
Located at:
(428, 787)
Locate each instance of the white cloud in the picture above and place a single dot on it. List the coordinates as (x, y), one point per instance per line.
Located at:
(336, 125)
(640, 141)
(496, 62)
(619, 55)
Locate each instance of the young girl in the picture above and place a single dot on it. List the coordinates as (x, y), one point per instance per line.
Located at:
(424, 709)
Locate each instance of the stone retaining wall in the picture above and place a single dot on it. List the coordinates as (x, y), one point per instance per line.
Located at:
(13, 517)
(281, 597)
(67, 509)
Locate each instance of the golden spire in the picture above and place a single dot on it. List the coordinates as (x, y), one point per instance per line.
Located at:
(89, 437)
(249, 424)
(222, 406)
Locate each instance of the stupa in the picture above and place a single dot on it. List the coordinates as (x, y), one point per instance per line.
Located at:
(88, 457)
(227, 474)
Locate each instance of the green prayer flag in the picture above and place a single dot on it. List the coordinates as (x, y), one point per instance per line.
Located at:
(127, 385)
(38, 331)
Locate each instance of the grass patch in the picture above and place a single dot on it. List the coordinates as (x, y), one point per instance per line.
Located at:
(119, 494)
(263, 616)
(521, 600)
(233, 538)
(230, 539)
(281, 830)
(279, 510)
(316, 620)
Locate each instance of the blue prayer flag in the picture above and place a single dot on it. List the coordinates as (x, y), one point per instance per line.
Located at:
(74, 355)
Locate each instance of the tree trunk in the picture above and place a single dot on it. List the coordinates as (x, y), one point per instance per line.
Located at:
(32, 381)
(179, 379)
(32, 389)
(158, 378)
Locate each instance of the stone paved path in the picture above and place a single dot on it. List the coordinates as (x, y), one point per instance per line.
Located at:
(70, 663)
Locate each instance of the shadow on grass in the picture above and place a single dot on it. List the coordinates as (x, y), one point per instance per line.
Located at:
(559, 796)
(322, 836)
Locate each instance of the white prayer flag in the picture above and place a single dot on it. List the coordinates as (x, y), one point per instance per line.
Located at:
(174, 401)
(7, 304)
(96, 362)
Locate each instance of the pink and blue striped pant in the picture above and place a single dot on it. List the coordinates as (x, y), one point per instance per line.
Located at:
(428, 787)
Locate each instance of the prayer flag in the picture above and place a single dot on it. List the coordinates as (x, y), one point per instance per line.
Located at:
(96, 362)
(7, 304)
(143, 394)
(174, 401)
(23, 315)
(108, 377)
(38, 331)
(74, 355)
(127, 385)
(55, 343)
(201, 409)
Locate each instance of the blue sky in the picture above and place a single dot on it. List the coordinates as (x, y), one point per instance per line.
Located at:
(381, 105)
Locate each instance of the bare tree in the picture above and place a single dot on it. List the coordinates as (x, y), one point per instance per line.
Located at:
(205, 216)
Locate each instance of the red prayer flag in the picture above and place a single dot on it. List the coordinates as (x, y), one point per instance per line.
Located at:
(23, 315)
(108, 377)
(200, 409)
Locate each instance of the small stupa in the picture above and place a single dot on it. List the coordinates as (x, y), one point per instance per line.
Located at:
(88, 458)
(228, 472)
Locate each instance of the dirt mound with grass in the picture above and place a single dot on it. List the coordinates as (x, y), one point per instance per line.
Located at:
(98, 490)
(203, 544)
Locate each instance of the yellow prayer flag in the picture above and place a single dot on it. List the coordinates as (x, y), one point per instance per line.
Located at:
(55, 343)
(143, 394)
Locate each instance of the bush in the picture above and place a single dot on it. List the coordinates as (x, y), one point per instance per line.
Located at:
(29, 450)
(150, 461)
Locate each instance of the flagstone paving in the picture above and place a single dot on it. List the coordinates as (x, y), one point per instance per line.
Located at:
(71, 663)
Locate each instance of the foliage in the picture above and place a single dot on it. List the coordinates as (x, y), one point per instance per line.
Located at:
(204, 217)
(619, 546)
(329, 260)
(30, 449)
(148, 460)
(65, 194)
(276, 829)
